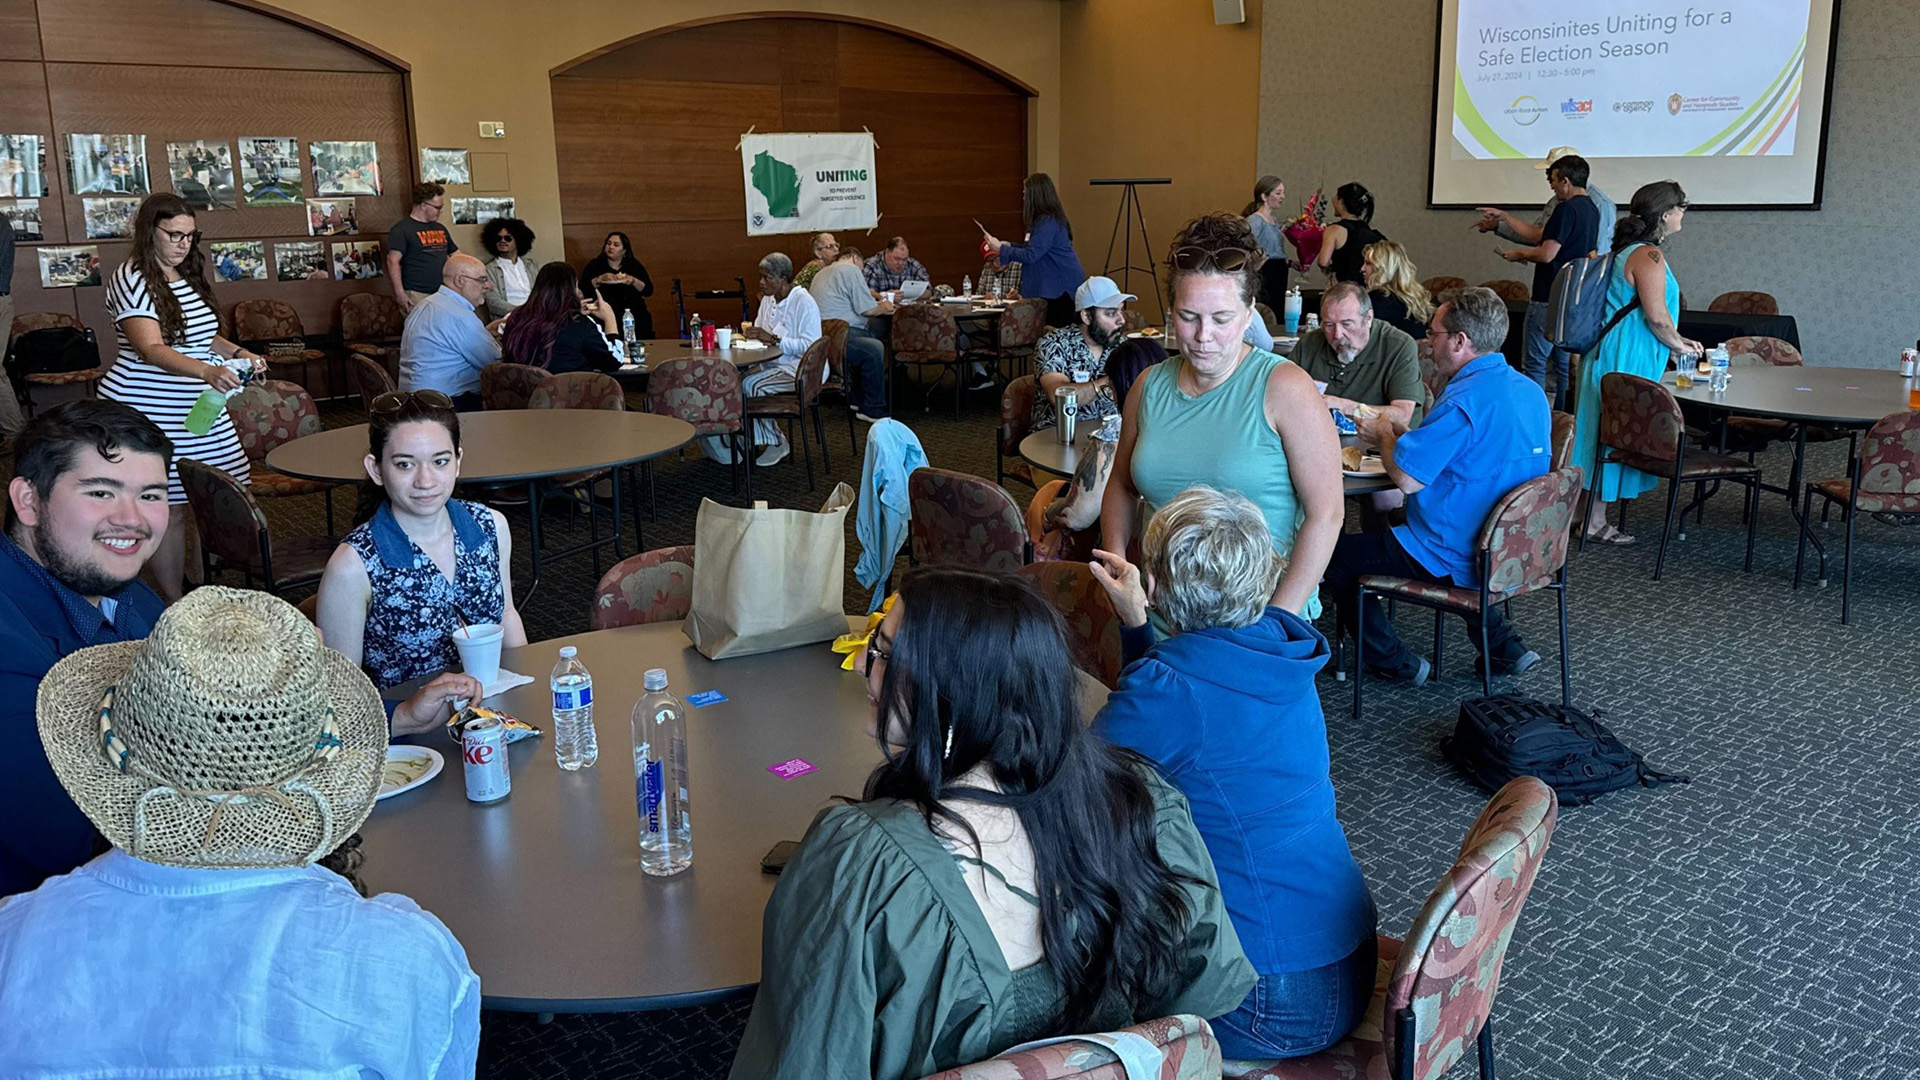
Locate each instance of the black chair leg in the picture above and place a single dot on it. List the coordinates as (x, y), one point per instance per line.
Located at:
(820, 434)
(1566, 658)
(329, 497)
(1673, 504)
(1800, 552)
(1485, 1046)
(1439, 640)
(1359, 649)
(1846, 551)
(1486, 653)
(1753, 520)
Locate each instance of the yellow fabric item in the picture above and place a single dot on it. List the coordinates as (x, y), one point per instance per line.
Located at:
(855, 644)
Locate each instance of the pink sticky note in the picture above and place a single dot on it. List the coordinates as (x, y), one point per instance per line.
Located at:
(787, 770)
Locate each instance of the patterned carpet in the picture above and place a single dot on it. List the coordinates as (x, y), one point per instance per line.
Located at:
(1759, 923)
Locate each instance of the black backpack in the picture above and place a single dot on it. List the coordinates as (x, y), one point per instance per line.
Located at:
(52, 350)
(1501, 737)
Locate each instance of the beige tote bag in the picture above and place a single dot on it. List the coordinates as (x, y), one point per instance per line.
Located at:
(768, 579)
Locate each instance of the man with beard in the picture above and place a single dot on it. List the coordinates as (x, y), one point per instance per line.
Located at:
(1076, 355)
(1362, 360)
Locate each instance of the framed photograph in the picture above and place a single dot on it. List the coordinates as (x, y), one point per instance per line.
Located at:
(346, 168)
(107, 164)
(202, 173)
(68, 267)
(24, 216)
(482, 209)
(23, 166)
(440, 165)
(358, 260)
(270, 170)
(238, 260)
(110, 219)
(300, 260)
(331, 217)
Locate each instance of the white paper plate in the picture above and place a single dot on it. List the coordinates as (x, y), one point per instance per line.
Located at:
(408, 767)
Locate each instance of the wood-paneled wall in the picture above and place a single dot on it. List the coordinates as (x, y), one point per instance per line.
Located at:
(178, 70)
(646, 136)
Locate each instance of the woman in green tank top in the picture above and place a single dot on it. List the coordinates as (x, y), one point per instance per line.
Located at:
(1230, 415)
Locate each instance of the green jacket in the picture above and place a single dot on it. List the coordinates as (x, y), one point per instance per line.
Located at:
(877, 963)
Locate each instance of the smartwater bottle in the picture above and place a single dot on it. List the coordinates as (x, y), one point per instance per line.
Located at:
(660, 779)
(574, 742)
(1292, 314)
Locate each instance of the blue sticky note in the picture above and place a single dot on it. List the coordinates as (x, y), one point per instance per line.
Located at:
(705, 697)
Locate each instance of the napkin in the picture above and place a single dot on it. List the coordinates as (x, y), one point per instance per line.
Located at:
(504, 682)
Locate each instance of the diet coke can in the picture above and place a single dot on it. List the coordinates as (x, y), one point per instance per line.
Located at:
(483, 746)
(1909, 358)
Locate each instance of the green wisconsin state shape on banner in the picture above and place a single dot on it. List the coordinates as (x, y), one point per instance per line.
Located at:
(779, 182)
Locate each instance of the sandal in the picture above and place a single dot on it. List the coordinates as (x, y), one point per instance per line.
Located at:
(1608, 534)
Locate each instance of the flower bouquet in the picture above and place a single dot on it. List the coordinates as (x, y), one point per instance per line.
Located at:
(1303, 229)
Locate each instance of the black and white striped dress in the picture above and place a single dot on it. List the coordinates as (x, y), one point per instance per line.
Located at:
(162, 396)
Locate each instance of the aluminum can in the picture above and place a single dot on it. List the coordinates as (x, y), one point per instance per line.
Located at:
(483, 747)
(1909, 359)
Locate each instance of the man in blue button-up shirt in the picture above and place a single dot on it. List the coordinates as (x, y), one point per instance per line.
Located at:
(1486, 435)
(84, 513)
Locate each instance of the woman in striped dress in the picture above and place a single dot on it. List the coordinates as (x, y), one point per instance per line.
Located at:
(170, 352)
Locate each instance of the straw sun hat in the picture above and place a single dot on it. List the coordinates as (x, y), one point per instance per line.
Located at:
(230, 737)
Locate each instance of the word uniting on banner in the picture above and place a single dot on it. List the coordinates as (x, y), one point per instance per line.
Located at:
(808, 183)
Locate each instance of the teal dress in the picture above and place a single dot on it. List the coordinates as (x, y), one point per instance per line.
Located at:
(1222, 439)
(1629, 347)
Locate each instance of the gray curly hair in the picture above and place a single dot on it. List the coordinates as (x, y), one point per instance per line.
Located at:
(1212, 560)
(778, 265)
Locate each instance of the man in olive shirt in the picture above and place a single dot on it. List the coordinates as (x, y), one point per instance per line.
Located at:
(1363, 360)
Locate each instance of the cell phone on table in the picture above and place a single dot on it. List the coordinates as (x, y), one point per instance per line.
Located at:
(775, 860)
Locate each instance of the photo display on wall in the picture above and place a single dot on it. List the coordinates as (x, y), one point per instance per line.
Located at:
(202, 173)
(107, 164)
(357, 260)
(481, 208)
(300, 260)
(238, 260)
(331, 217)
(109, 219)
(23, 166)
(68, 267)
(270, 170)
(24, 216)
(441, 165)
(346, 168)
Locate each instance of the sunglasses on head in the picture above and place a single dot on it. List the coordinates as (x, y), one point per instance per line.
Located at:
(1225, 260)
(394, 403)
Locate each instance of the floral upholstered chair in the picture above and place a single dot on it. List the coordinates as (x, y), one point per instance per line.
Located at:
(653, 586)
(273, 328)
(1745, 302)
(1441, 283)
(705, 392)
(267, 413)
(1434, 991)
(965, 520)
(1561, 444)
(86, 378)
(834, 389)
(1885, 479)
(506, 385)
(1093, 628)
(1016, 423)
(234, 536)
(370, 377)
(1641, 426)
(370, 324)
(924, 335)
(1522, 548)
(1182, 1047)
(1513, 292)
(1018, 331)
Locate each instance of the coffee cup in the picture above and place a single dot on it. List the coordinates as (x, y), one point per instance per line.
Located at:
(723, 337)
(479, 647)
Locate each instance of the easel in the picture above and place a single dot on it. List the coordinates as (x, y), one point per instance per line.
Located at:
(1122, 222)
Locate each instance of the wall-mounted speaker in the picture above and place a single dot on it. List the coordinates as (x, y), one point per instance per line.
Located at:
(1227, 12)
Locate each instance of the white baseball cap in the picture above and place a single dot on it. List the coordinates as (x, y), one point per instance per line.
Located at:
(1099, 292)
(1554, 155)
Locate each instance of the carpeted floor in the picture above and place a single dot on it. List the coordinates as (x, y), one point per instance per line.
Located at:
(1758, 923)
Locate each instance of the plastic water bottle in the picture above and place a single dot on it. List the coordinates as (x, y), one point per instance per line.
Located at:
(1292, 314)
(574, 742)
(660, 779)
(693, 330)
(627, 335)
(1719, 368)
(966, 285)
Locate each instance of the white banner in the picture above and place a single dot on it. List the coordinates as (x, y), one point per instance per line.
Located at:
(808, 183)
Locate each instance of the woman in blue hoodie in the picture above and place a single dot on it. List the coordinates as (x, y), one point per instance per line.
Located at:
(1051, 268)
(1228, 710)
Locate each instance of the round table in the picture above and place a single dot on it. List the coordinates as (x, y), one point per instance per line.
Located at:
(1044, 451)
(544, 888)
(511, 446)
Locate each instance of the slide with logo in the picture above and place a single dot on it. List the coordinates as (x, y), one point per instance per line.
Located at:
(1728, 95)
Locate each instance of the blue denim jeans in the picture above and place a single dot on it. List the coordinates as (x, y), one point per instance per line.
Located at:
(1539, 349)
(1299, 1012)
(866, 376)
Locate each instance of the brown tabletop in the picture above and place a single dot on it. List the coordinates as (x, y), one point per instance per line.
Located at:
(544, 888)
(1044, 451)
(660, 350)
(1836, 396)
(504, 445)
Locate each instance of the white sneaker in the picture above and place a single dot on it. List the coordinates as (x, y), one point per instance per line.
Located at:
(772, 455)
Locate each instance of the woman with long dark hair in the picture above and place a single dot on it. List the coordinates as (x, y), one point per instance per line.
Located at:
(1006, 876)
(1639, 345)
(171, 352)
(1051, 269)
(621, 280)
(1343, 245)
(560, 330)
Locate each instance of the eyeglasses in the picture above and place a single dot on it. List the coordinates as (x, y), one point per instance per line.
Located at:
(394, 402)
(179, 237)
(475, 278)
(1441, 332)
(875, 652)
(1225, 260)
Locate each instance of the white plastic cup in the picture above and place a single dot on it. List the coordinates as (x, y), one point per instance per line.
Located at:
(723, 337)
(479, 648)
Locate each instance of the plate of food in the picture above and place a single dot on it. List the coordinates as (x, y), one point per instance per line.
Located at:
(1357, 461)
(407, 768)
